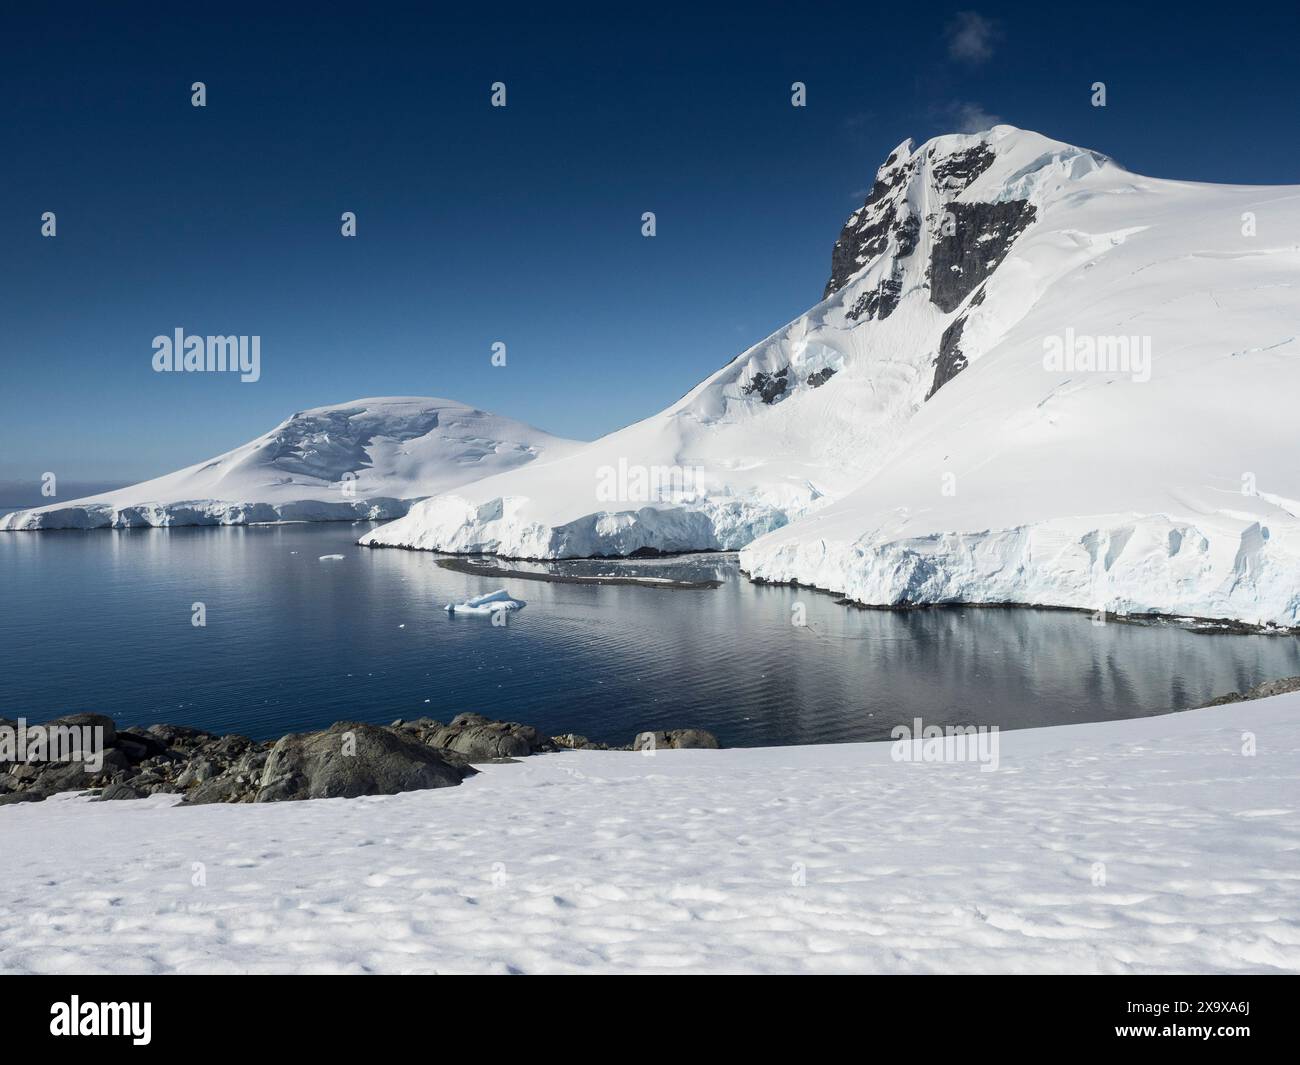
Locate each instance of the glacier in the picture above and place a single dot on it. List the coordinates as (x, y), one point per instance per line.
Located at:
(911, 440)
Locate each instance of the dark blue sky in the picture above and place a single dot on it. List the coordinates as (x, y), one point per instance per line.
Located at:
(520, 225)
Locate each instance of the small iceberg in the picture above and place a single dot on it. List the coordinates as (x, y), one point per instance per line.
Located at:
(490, 603)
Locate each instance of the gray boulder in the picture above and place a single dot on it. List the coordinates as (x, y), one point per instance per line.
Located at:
(239, 782)
(180, 735)
(138, 745)
(198, 771)
(571, 741)
(80, 721)
(478, 739)
(11, 797)
(229, 787)
(1259, 691)
(1274, 687)
(114, 761)
(351, 759)
(678, 739)
(63, 776)
(119, 791)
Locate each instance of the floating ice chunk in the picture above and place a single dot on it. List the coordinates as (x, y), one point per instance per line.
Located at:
(486, 604)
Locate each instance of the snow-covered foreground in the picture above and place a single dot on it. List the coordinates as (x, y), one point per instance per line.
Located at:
(1149, 845)
(368, 459)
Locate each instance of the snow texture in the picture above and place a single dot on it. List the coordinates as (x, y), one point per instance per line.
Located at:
(1148, 845)
(487, 604)
(369, 459)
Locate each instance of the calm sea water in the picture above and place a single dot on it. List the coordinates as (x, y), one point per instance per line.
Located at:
(102, 621)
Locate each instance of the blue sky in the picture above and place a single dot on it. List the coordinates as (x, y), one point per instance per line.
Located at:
(520, 224)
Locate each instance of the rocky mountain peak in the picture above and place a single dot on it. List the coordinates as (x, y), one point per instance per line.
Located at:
(968, 195)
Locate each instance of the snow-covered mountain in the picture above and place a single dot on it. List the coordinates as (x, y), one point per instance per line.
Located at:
(1034, 377)
(1111, 418)
(367, 459)
(784, 428)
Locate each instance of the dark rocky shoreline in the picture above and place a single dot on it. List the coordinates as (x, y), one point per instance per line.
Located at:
(347, 760)
(1259, 691)
(483, 569)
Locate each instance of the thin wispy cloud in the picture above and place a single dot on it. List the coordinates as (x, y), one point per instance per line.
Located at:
(971, 37)
(972, 117)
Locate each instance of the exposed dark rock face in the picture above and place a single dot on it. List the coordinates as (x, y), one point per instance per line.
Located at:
(352, 759)
(820, 377)
(950, 360)
(866, 234)
(954, 173)
(983, 234)
(971, 239)
(907, 233)
(769, 386)
(877, 303)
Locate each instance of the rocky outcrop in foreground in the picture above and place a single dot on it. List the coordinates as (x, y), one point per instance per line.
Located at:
(1259, 691)
(347, 760)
